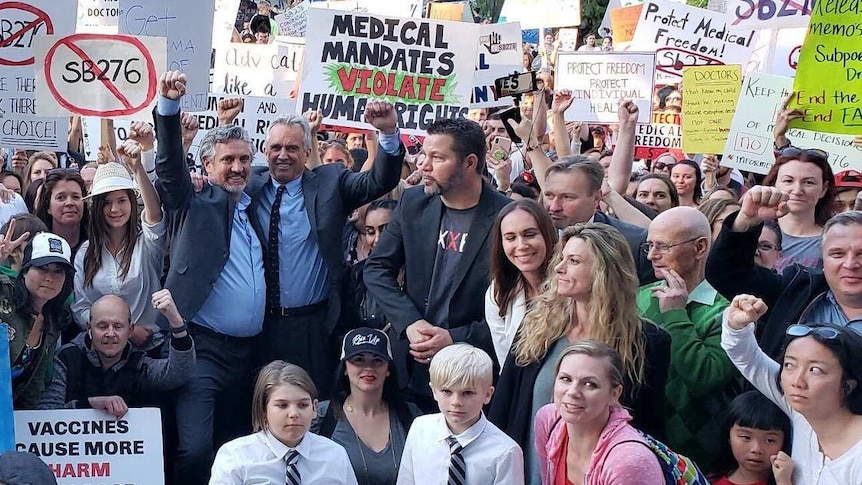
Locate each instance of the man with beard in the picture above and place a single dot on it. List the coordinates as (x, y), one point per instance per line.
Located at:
(439, 235)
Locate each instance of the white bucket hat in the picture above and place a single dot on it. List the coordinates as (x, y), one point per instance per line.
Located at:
(109, 177)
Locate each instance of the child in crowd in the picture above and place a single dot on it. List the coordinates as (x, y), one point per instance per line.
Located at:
(282, 450)
(459, 446)
(758, 440)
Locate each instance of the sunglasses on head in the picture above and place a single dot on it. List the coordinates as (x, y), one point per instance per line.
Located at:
(802, 330)
(792, 151)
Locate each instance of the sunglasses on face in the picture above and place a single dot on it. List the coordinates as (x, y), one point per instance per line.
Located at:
(663, 166)
(801, 330)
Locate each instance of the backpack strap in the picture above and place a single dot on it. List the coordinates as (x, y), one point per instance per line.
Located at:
(327, 426)
(622, 442)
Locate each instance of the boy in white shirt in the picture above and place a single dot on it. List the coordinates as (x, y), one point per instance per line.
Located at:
(459, 446)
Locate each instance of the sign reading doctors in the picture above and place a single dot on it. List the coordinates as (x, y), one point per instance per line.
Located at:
(424, 67)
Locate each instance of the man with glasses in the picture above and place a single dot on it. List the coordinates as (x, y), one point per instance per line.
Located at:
(702, 380)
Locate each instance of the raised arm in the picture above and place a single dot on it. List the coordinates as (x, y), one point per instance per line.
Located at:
(130, 152)
(562, 101)
(175, 183)
(623, 158)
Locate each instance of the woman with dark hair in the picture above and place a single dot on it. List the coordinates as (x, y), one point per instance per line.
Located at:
(522, 244)
(806, 177)
(815, 382)
(687, 179)
(367, 415)
(61, 206)
(655, 190)
(32, 193)
(12, 181)
(34, 306)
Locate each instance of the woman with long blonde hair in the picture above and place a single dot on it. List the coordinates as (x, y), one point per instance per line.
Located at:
(590, 295)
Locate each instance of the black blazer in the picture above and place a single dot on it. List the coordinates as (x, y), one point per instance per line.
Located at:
(331, 193)
(410, 241)
(635, 236)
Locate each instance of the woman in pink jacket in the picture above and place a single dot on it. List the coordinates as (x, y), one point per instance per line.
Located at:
(584, 436)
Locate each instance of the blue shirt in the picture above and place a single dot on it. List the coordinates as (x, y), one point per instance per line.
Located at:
(302, 274)
(236, 304)
(825, 309)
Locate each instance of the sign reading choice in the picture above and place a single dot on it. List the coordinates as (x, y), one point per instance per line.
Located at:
(97, 74)
(84, 446)
(599, 81)
(708, 103)
(424, 67)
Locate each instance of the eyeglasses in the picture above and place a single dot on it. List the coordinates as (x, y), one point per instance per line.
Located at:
(792, 151)
(766, 246)
(801, 330)
(662, 165)
(663, 248)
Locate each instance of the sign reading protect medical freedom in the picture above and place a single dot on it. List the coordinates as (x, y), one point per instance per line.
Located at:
(424, 67)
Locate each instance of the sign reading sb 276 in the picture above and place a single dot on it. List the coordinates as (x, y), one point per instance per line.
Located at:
(769, 14)
(97, 74)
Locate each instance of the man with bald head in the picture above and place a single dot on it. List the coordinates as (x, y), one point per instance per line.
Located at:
(702, 381)
(103, 370)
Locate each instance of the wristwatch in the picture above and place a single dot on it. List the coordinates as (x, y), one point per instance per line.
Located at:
(181, 329)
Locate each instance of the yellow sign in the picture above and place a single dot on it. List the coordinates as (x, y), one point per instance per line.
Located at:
(446, 11)
(709, 95)
(828, 81)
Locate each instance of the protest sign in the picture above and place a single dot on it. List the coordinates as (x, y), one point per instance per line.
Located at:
(749, 144)
(684, 36)
(425, 68)
(664, 133)
(91, 128)
(7, 428)
(293, 22)
(399, 8)
(257, 69)
(100, 75)
(224, 20)
(500, 54)
(536, 14)
(787, 46)
(98, 16)
(769, 14)
(80, 445)
(624, 21)
(599, 81)
(568, 39)
(832, 51)
(21, 23)
(708, 103)
(454, 11)
(187, 26)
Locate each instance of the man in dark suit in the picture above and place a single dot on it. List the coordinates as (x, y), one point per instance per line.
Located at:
(439, 235)
(216, 276)
(304, 263)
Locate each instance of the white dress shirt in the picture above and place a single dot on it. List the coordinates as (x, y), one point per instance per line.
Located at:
(259, 458)
(491, 456)
(503, 329)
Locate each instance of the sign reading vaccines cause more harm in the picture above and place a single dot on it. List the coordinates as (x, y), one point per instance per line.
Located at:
(599, 81)
(708, 103)
(258, 69)
(769, 14)
(84, 446)
(749, 144)
(21, 23)
(98, 74)
(689, 36)
(500, 54)
(828, 82)
(424, 67)
(188, 27)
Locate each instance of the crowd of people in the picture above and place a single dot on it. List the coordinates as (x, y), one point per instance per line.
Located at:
(358, 312)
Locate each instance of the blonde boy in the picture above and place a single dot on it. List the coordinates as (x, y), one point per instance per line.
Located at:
(459, 446)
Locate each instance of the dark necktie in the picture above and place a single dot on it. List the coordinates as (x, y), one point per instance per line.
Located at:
(272, 288)
(292, 474)
(457, 466)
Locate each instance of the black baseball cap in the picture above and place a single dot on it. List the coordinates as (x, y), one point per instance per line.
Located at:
(366, 339)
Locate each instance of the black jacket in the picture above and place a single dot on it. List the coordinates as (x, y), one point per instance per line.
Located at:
(511, 406)
(635, 236)
(730, 269)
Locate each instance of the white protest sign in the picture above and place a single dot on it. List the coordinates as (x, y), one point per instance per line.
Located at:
(85, 446)
(293, 22)
(536, 14)
(685, 36)
(424, 67)
(93, 134)
(749, 144)
(599, 81)
(500, 54)
(788, 44)
(397, 8)
(188, 29)
(98, 16)
(257, 69)
(769, 14)
(103, 75)
(21, 23)
(224, 19)
(568, 39)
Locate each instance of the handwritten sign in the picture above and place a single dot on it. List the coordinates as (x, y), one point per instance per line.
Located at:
(832, 52)
(769, 14)
(689, 36)
(97, 74)
(568, 39)
(258, 69)
(400, 8)
(788, 45)
(599, 81)
(664, 132)
(98, 16)
(500, 54)
(708, 103)
(80, 445)
(188, 29)
(424, 67)
(21, 23)
(749, 144)
(537, 14)
(7, 430)
(624, 22)
(293, 22)
(455, 11)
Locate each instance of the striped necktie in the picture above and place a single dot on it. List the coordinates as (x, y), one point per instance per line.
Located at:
(457, 466)
(292, 474)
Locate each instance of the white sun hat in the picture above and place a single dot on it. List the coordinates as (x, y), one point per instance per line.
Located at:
(109, 177)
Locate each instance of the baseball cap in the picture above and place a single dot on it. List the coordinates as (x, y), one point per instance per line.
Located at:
(17, 468)
(848, 178)
(47, 248)
(366, 339)
(109, 177)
